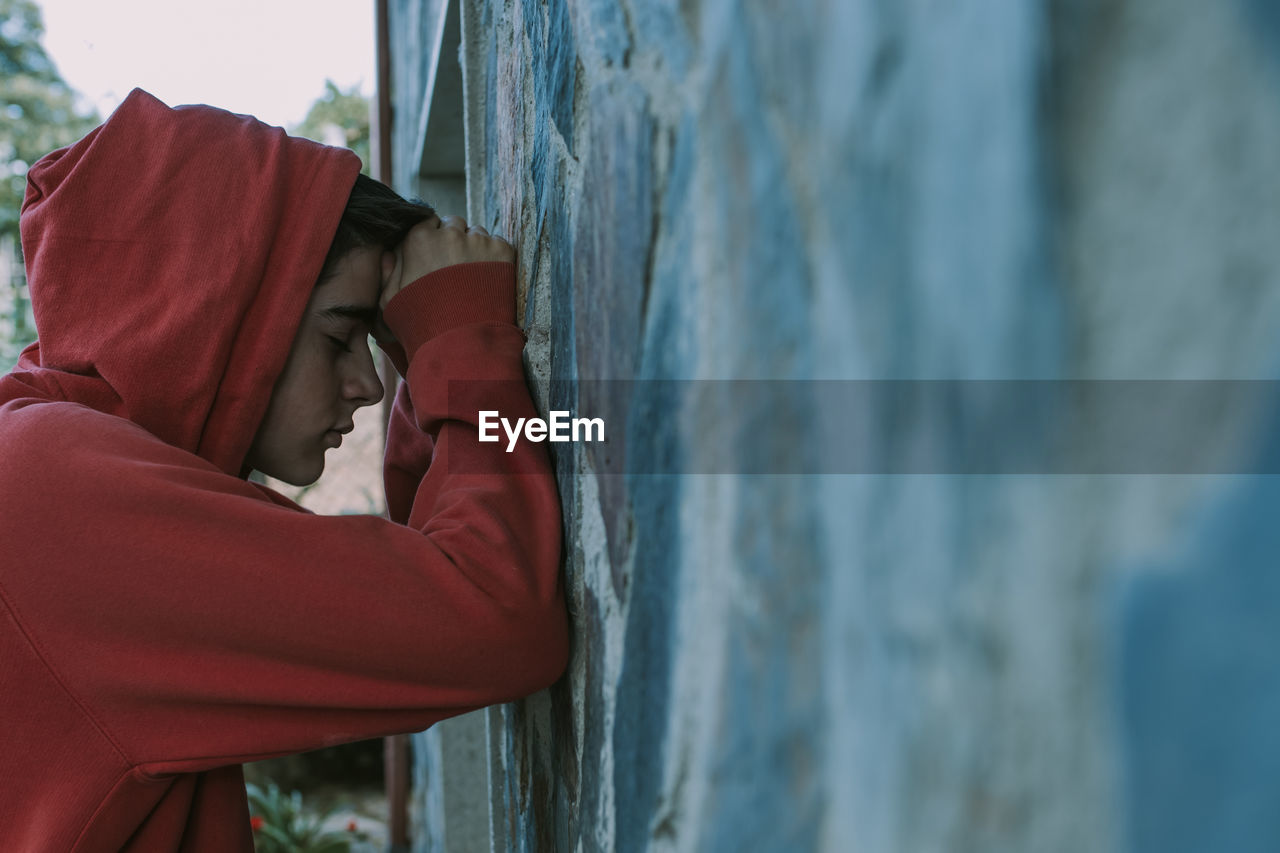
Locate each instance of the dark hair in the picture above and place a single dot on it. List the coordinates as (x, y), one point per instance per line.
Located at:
(375, 215)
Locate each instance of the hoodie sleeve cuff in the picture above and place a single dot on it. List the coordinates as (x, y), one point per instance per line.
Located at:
(458, 295)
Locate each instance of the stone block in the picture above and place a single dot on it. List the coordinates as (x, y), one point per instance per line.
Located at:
(1198, 680)
(602, 27)
(611, 247)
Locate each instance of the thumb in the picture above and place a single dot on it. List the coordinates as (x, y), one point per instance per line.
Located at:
(390, 265)
(392, 268)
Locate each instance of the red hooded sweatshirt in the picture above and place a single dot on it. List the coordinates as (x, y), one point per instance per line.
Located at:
(162, 619)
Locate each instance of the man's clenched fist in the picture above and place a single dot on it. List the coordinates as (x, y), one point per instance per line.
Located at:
(434, 244)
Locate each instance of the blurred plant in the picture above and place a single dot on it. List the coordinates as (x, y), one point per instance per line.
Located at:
(281, 824)
(38, 111)
(348, 765)
(38, 114)
(339, 118)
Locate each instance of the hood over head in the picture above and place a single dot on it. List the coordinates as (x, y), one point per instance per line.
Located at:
(169, 255)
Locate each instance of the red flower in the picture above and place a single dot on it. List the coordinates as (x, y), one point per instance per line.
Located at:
(256, 822)
(351, 826)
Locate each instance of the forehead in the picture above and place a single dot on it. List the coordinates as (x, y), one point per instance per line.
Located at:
(356, 281)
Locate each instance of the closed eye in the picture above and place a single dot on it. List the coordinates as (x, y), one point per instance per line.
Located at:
(339, 343)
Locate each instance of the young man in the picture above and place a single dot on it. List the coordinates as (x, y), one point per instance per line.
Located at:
(203, 287)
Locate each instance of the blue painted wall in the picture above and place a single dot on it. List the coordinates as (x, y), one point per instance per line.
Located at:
(892, 658)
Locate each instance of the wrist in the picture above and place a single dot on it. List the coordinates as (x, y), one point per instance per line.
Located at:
(457, 295)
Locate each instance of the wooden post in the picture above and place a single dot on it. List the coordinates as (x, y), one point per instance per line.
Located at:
(396, 747)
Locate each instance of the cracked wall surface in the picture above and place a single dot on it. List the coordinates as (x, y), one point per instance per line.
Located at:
(863, 190)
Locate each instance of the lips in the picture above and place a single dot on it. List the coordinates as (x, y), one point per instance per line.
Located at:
(333, 437)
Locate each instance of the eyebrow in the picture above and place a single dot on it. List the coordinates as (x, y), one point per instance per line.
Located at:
(367, 314)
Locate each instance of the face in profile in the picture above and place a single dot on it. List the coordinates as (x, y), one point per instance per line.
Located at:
(329, 374)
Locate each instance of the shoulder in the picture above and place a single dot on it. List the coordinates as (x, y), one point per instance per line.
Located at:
(51, 448)
(50, 430)
(51, 420)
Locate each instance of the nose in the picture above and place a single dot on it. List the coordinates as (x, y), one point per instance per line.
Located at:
(363, 387)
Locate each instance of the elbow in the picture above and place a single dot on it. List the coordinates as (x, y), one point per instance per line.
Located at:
(539, 648)
(553, 645)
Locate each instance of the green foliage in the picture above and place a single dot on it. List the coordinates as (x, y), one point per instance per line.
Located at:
(338, 118)
(38, 112)
(282, 825)
(348, 765)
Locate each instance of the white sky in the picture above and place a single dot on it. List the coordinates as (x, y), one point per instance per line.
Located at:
(267, 58)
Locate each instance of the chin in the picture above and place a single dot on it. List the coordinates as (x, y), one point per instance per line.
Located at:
(300, 474)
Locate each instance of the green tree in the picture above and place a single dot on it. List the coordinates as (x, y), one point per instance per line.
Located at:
(339, 118)
(38, 111)
(38, 114)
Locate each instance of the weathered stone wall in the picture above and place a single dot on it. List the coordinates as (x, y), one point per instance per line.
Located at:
(860, 189)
